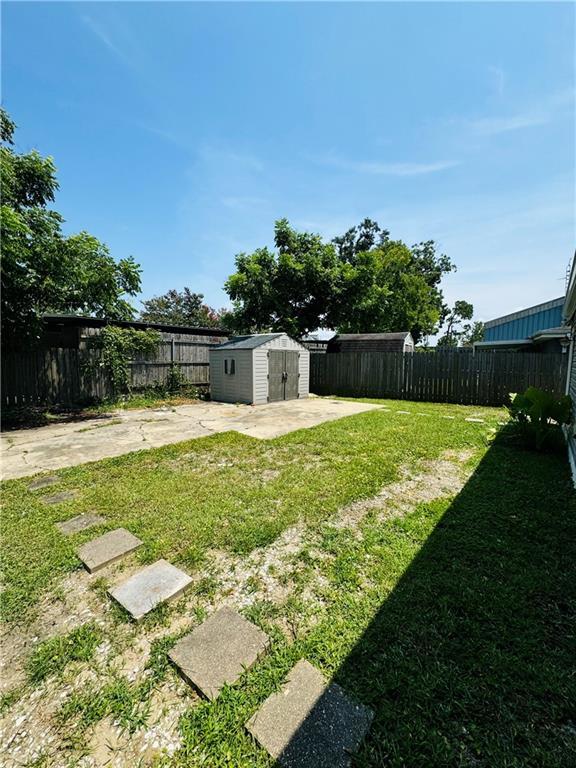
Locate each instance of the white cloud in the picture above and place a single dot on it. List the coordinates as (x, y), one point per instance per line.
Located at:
(492, 126)
(104, 37)
(388, 169)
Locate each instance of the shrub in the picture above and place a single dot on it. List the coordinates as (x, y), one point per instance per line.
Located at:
(539, 417)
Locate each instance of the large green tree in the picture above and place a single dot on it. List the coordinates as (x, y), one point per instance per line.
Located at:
(43, 270)
(180, 308)
(360, 282)
(289, 290)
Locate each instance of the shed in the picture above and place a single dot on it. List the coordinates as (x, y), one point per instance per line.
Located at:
(372, 342)
(262, 368)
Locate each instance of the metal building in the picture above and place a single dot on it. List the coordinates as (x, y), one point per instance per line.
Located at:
(262, 368)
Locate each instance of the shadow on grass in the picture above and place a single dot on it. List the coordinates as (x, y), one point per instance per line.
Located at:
(471, 659)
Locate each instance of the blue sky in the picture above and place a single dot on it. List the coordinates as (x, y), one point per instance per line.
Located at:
(181, 131)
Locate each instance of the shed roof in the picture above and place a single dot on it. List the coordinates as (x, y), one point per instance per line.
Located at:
(371, 336)
(249, 342)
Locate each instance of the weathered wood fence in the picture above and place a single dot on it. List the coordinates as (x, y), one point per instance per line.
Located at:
(66, 376)
(484, 378)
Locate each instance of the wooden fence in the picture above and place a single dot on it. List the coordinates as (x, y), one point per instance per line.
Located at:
(484, 378)
(67, 376)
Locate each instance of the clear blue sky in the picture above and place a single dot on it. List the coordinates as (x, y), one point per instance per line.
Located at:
(181, 131)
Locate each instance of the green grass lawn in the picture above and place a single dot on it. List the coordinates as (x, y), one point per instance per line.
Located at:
(454, 621)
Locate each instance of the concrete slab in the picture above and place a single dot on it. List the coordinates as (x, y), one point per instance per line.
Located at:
(26, 452)
(107, 549)
(310, 724)
(475, 421)
(218, 651)
(43, 482)
(79, 523)
(151, 586)
(58, 498)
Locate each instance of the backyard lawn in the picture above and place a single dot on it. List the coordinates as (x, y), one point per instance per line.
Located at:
(422, 561)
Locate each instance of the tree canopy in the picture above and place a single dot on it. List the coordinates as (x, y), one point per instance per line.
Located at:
(360, 282)
(180, 308)
(44, 271)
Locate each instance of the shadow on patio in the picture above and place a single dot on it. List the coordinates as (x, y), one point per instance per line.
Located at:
(471, 659)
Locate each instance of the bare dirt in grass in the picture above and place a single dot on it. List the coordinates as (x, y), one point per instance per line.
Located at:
(30, 728)
(434, 480)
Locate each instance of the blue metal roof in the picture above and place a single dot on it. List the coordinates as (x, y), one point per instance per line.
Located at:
(522, 325)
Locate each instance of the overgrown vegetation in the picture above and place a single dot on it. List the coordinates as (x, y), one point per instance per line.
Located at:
(119, 347)
(539, 417)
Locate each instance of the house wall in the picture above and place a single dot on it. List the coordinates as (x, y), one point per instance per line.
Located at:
(571, 390)
(236, 388)
(260, 367)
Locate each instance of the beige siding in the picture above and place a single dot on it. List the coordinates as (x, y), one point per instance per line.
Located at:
(571, 390)
(225, 388)
(260, 375)
(304, 381)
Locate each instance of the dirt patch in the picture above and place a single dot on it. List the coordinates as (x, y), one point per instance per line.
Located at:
(442, 477)
(110, 745)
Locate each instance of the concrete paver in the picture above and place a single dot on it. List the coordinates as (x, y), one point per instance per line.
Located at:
(155, 584)
(108, 548)
(79, 523)
(43, 482)
(218, 651)
(28, 451)
(309, 724)
(58, 498)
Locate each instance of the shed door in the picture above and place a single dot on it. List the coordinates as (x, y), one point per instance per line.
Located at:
(291, 375)
(275, 375)
(282, 375)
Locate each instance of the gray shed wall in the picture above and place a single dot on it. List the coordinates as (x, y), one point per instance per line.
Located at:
(231, 389)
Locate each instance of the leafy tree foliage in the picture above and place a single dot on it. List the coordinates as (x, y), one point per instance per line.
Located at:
(361, 282)
(462, 310)
(291, 290)
(43, 270)
(180, 308)
(471, 333)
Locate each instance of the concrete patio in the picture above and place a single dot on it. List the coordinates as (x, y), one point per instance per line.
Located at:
(28, 451)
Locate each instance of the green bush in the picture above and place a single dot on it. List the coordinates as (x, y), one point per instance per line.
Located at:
(539, 417)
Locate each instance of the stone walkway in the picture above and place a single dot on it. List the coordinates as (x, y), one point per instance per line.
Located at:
(308, 724)
(28, 451)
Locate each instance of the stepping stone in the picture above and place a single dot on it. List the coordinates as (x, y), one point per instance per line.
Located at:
(149, 587)
(79, 523)
(309, 724)
(106, 549)
(442, 416)
(43, 482)
(218, 651)
(476, 421)
(57, 498)
(406, 412)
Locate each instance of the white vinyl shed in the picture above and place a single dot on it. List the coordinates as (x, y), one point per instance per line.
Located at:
(262, 368)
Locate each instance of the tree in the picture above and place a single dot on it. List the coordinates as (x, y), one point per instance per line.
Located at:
(291, 290)
(361, 282)
(180, 308)
(462, 310)
(42, 270)
(472, 332)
